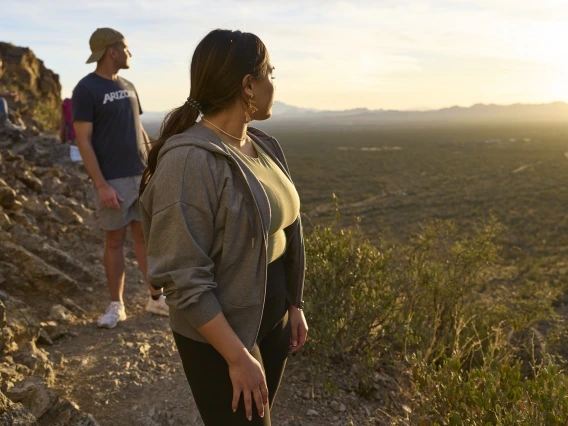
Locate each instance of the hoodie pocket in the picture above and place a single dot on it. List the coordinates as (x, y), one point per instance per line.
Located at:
(239, 285)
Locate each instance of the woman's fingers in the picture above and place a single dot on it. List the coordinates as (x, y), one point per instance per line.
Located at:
(302, 334)
(293, 336)
(248, 379)
(259, 402)
(248, 404)
(264, 392)
(236, 396)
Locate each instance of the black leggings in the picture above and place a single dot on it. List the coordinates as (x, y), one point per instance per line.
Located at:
(208, 374)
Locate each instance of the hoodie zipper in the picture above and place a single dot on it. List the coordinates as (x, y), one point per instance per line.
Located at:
(283, 166)
(243, 177)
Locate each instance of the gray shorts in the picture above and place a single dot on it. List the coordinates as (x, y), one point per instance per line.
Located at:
(111, 219)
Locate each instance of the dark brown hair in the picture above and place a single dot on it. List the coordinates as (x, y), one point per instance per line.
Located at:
(220, 62)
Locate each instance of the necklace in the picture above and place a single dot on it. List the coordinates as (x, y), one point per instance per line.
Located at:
(222, 131)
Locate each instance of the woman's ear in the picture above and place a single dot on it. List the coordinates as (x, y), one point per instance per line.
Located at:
(247, 86)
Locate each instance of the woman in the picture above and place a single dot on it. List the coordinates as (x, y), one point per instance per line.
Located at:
(223, 233)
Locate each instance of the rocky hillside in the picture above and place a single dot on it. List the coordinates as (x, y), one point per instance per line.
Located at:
(38, 86)
(43, 212)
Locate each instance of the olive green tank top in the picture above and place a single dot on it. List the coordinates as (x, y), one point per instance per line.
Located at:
(282, 196)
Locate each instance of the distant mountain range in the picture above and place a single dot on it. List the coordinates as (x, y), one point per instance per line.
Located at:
(554, 111)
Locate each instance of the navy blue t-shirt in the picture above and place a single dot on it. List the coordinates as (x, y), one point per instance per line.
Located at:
(114, 109)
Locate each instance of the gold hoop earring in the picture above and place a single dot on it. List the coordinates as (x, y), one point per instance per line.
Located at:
(250, 110)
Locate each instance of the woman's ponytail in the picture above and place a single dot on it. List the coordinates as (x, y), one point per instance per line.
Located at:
(177, 121)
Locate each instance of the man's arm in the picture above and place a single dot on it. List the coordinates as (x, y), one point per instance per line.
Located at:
(147, 142)
(84, 132)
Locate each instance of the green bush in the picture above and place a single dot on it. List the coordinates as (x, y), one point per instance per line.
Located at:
(347, 301)
(46, 116)
(363, 300)
(493, 393)
(440, 306)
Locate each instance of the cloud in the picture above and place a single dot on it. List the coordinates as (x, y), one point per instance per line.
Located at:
(324, 51)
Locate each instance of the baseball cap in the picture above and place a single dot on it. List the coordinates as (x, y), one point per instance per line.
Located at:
(100, 40)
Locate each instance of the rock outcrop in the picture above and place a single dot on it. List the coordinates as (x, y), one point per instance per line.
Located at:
(39, 87)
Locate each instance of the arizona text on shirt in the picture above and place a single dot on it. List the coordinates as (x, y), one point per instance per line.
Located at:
(119, 94)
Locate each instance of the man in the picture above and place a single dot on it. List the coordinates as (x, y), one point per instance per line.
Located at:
(111, 141)
(4, 94)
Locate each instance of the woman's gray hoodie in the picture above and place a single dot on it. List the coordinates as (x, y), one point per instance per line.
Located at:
(206, 219)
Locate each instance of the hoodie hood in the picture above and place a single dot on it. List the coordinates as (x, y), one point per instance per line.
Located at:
(197, 135)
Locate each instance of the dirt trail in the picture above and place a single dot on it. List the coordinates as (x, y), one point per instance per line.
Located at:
(132, 375)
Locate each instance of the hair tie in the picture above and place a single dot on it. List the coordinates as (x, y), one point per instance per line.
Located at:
(193, 103)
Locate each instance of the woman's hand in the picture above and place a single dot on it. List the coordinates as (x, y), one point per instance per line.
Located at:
(248, 378)
(299, 328)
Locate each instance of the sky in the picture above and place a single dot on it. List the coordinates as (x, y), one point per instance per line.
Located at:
(333, 55)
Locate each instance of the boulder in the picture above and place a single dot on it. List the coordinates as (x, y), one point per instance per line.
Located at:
(36, 360)
(31, 181)
(31, 150)
(34, 394)
(53, 329)
(6, 334)
(7, 196)
(15, 414)
(24, 219)
(44, 337)
(10, 373)
(41, 275)
(74, 205)
(55, 257)
(21, 321)
(35, 207)
(5, 222)
(38, 399)
(61, 313)
(65, 413)
(66, 214)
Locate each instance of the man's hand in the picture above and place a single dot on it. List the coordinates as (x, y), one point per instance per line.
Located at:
(109, 197)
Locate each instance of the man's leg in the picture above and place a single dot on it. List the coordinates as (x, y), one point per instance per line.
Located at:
(114, 263)
(114, 268)
(156, 303)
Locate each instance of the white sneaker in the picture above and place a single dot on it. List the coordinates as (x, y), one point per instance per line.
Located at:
(114, 313)
(159, 306)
